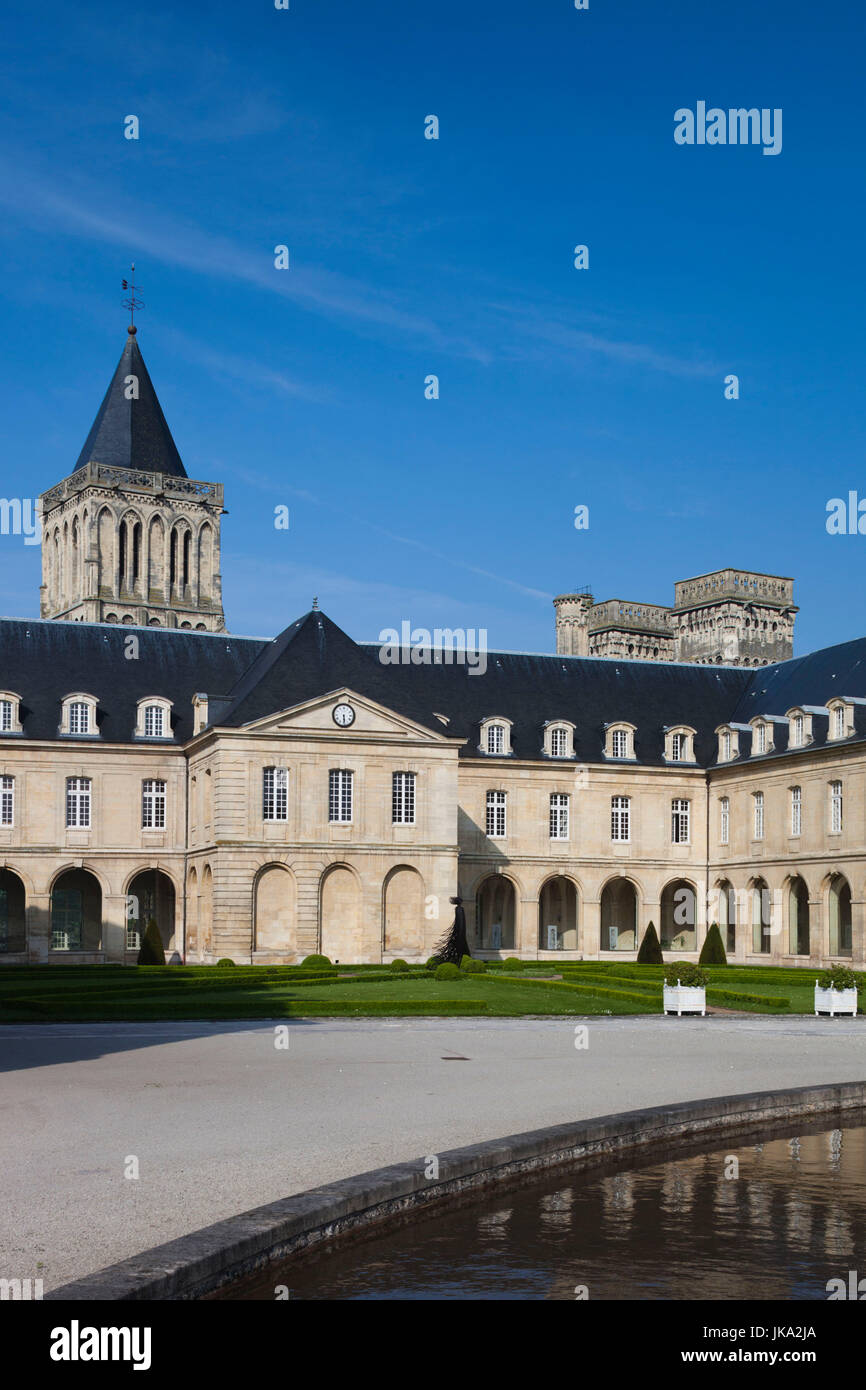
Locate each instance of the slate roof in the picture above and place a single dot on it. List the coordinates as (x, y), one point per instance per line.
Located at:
(248, 679)
(132, 433)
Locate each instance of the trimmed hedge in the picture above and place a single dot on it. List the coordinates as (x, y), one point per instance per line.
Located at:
(597, 990)
(447, 971)
(317, 960)
(382, 1008)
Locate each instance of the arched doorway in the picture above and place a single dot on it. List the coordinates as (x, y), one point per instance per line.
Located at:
(678, 910)
(798, 918)
(619, 916)
(557, 915)
(191, 914)
(839, 905)
(76, 912)
(495, 914)
(274, 911)
(727, 915)
(404, 913)
(340, 915)
(152, 893)
(13, 929)
(761, 917)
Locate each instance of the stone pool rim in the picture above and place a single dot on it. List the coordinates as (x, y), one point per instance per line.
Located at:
(219, 1255)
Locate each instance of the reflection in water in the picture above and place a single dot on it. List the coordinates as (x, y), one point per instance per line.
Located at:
(779, 1222)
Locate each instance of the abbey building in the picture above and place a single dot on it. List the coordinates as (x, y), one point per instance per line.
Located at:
(267, 799)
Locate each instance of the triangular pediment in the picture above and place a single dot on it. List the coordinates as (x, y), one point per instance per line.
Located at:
(315, 718)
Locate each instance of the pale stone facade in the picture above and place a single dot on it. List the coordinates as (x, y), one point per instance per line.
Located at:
(267, 800)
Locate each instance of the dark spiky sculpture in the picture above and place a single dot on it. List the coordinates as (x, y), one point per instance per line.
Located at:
(453, 947)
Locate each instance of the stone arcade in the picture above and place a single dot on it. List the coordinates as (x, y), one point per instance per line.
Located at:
(264, 800)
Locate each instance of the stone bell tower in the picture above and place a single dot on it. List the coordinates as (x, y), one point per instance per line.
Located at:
(128, 537)
(572, 623)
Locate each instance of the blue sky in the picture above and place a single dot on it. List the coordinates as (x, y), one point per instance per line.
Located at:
(409, 257)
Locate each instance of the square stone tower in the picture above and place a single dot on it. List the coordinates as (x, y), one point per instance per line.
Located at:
(128, 537)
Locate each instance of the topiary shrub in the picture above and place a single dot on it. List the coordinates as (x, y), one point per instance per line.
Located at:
(512, 963)
(432, 962)
(839, 977)
(471, 966)
(713, 949)
(650, 952)
(316, 960)
(447, 971)
(400, 967)
(224, 960)
(684, 972)
(151, 951)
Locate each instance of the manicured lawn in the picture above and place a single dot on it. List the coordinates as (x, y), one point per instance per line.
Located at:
(72, 993)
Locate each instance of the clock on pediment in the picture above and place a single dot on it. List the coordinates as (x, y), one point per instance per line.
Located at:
(343, 715)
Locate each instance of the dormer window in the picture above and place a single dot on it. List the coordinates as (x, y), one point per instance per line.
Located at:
(10, 720)
(559, 740)
(154, 718)
(839, 720)
(798, 731)
(762, 737)
(78, 717)
(619, 741)
(729, 743)
(726, 746)
(679, 744)
(496, 737)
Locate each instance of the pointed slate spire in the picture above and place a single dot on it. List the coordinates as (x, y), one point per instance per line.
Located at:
(130, 430)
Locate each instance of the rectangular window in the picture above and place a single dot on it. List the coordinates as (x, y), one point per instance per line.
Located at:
(796, 810)
(496, 815)
(678, 748)
(79, 717)
(7, 800)
(619, 743)
(620, 818)
(839, 722)
(558, 816)
(275, 793)
(495, 738)
(680, 821)
(798, 730)
(559, 743)
(154, 721)
(153, 805)
(836, 806)
(759, 815)
(760, 738)
(78, 803)
(724, 820)
(726, 748)
(403, 798)
(340, 796)
(5, 716)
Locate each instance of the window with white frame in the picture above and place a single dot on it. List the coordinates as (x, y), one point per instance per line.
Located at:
(558, 816)
(275, 793)
(153, 804)
(340, 782)
(726, 746)
(839, 721)
(560, 742)
(835, 806)
(154, 721)
(7, 800)
(724, 820)
(7, 710)
(403, 798)
(496, 738)
(798, 731)
(78, 803)
(760, 738)
(678, 747)
(620, 743)
(620, 818)
(680, 821)
(758, 807)
(796, 810)
(496, 815)
(79, 717)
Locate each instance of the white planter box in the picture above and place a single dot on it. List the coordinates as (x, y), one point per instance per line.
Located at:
(685, 999)
(835, 1001)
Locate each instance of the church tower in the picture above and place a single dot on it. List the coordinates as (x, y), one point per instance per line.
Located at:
(128, 537)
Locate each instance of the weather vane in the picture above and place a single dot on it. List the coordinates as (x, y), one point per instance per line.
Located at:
(132, 303)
